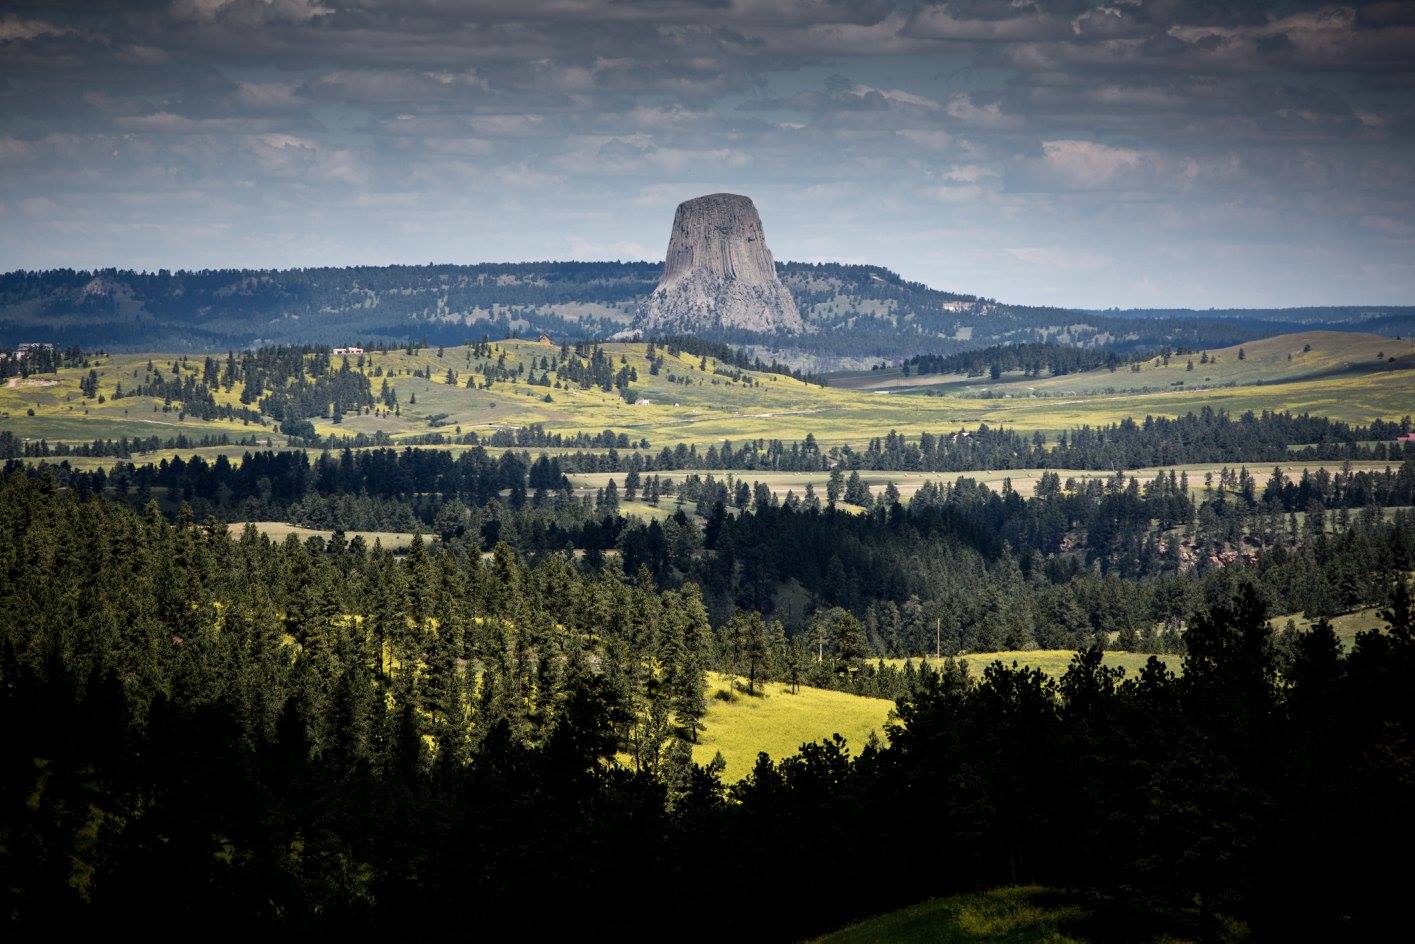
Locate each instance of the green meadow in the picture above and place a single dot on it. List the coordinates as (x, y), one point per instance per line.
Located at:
(777, 722)
(1018, 915)
(279, 531)
(1053, 662)
(1347, 626)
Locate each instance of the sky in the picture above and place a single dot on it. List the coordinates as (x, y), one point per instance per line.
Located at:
(1130, 153)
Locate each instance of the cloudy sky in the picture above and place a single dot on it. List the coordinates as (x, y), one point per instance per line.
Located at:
(1120, 152)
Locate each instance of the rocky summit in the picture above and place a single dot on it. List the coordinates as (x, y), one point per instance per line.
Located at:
(719, 273)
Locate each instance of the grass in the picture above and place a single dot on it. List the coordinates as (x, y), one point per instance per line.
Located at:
(1340, 378)
(778, 723)
(1022, 915)
(61, 413)
(279, 531)
(1347, 626)
(1023, 480)
(1053, 662)
(1280, 359)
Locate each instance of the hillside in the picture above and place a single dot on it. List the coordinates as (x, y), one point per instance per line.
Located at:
(854, 314)
(1284, 358)
(700, 400)
(778, 721)
(1028, 915)
(1287, 358)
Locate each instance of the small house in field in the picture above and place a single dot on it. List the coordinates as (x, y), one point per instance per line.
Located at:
(348, 350)
(544, 339)
(34, 347)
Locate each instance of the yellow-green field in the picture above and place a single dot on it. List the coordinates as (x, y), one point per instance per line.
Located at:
(62, 414)
(279, 531)
(1346, 626)
(1023, 480)
(703, 407)
(1026, 915)
(1281, 359)
(779, 722)
(1053, 662)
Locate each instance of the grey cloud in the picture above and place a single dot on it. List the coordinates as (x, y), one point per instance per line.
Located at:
(918, 135)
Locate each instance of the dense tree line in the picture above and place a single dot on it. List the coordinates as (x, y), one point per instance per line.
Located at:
(966, 568)
(1206, 436)
(39, 359)
(522, 437)
(1032, 359)
(320, 738)
(13, 447)
(958, 567)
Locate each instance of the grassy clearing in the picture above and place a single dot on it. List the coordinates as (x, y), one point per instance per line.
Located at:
(1053, 662)
(1026, 915)
(1008, 914)
(279, 531)
(61, 413)
(779, 722)
(1023, 480)
(1347, 626)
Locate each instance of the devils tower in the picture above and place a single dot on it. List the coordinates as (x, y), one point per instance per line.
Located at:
(719, 273)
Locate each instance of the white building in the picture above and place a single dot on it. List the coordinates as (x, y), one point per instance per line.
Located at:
(34, 347)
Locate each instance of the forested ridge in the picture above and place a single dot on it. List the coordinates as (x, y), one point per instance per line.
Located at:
(856, 311)
(1031, 359)
(319, 737)
(956, 567)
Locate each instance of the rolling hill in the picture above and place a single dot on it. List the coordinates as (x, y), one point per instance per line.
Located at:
(702, 401)
(1285, 358)
(687, 399)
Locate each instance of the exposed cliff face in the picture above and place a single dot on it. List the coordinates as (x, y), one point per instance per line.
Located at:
(719, 273)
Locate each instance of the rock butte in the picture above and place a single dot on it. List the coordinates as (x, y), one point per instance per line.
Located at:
(719, 273)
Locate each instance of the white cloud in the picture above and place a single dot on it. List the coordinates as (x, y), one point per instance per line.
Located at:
(1051, 257)
(1090, 164)
(989, 117)
(933, 139)
(524, 177)
(250, 12)
(590, 250)
(13, 29)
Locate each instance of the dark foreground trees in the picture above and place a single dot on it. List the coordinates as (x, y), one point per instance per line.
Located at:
(200, 732)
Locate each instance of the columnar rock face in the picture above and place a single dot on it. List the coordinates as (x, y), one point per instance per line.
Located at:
(719, 273)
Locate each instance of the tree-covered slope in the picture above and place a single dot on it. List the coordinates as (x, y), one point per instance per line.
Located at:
(853, 313)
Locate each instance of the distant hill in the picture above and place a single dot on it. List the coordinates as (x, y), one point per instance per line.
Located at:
(854, 314)
(1285, 358)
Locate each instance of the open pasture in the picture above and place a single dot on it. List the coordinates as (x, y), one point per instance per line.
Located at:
(1053, 662)
(280, 530)
(778, 723)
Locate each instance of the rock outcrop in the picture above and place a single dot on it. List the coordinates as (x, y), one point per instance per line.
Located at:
(719, 273)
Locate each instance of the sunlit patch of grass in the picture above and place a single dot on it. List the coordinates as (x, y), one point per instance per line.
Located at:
(1053, 662)
(778, 723)
(1020, 915)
